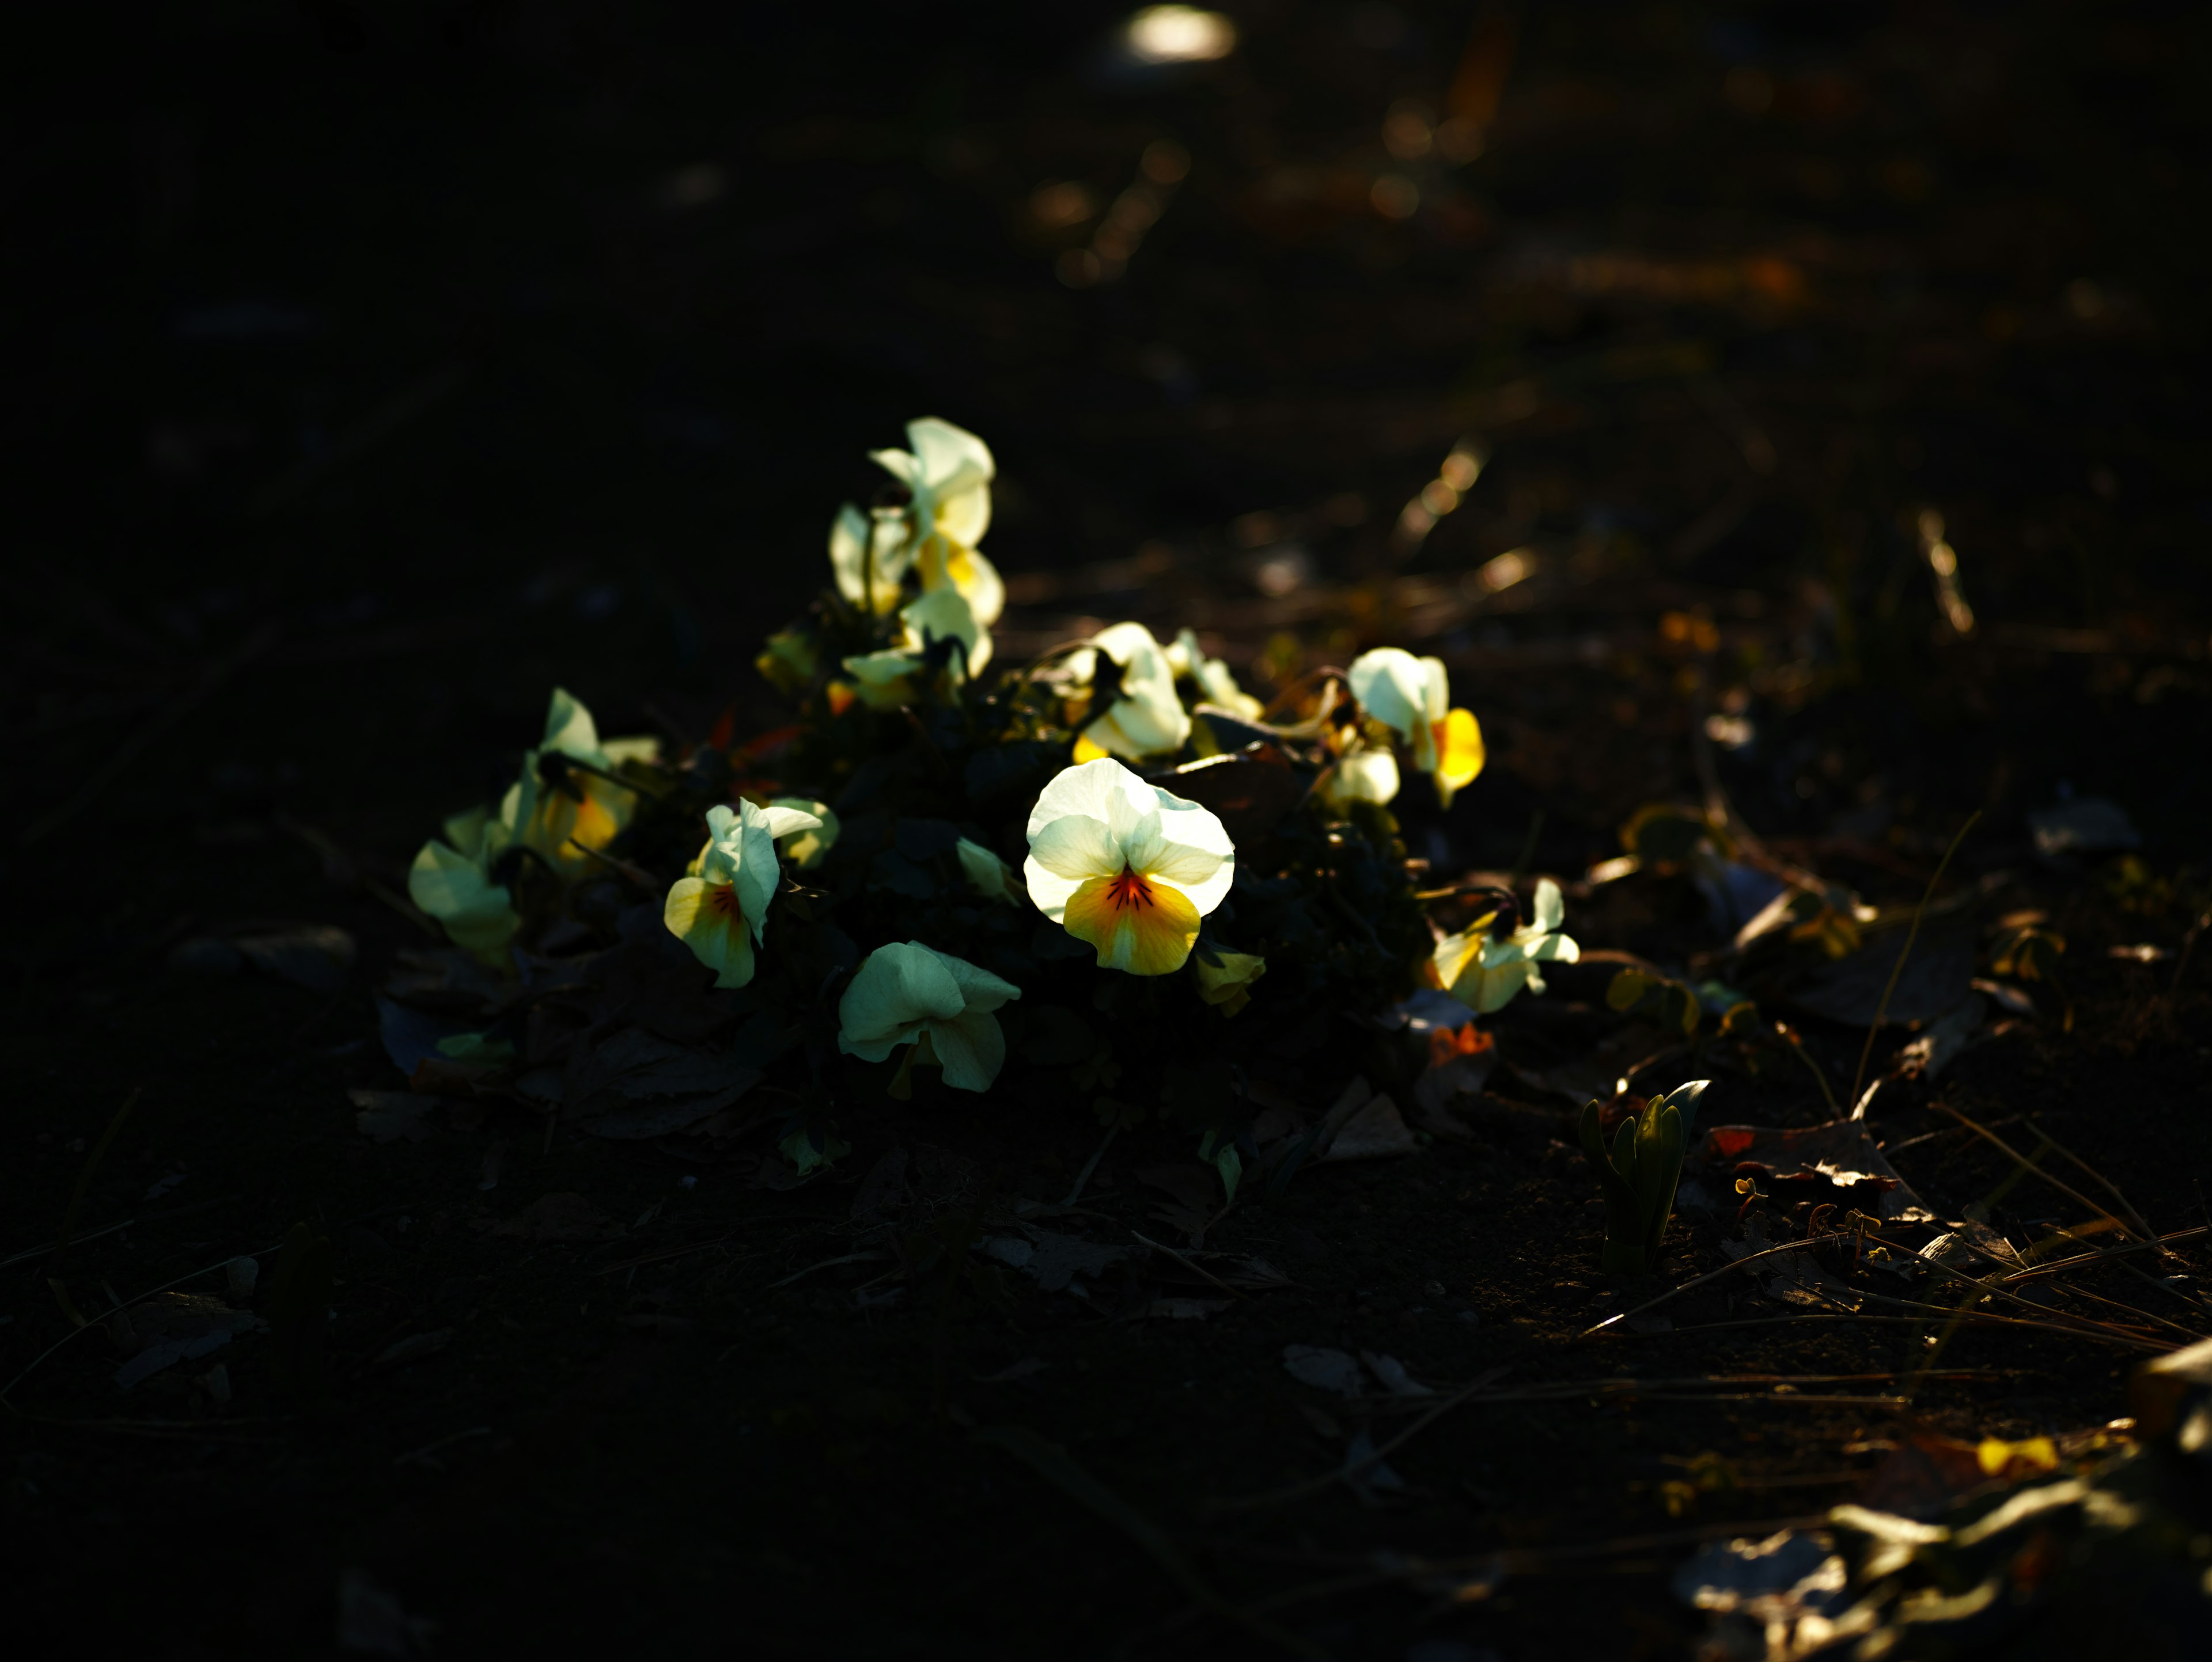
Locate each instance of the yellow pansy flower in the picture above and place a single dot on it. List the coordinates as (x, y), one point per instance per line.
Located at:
(1412, 697)
(1125, 867)
(721, 911)
(1484, 971)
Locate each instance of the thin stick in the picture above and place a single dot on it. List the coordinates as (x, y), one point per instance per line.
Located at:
(84, 1178)
(123, 1304)
(125, 755)
(2110, 1188)
(1315, 1485)
(1713, 1275)
(1881, 1010)
(2026, 1164)
(1189, 1263)
(2196, 1232)
(1091, 1164)
(1971, 1318)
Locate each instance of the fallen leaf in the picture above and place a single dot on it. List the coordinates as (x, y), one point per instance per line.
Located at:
(1186, 1309)
(390, 1116)
(1376, 1131)
(563, 1215)
(637, 1085)
(1028, 1368)
(1607, 1070)
(413, 1348)
(1059, 1259)
(315, 956)
(1365, 1475)
(1851, 990)
(1324, 1369)
(1842, 1152)
(1392, 1373)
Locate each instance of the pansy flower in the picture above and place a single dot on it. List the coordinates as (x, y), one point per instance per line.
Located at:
(1362, 773)
(1125, 867)
(910, 993)
(939, 629)
(1412, 697)
(1216, 682)
(721, 910)
(1224, 979)
(948, 476)
(560, 811)
(1146, 718)
(451, 881)
(1484, 970)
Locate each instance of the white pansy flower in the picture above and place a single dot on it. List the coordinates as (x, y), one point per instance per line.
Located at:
(1148, 719)
(948, 476)
(1126, 866)
(561, 811)
(870, 554)
(1483, 972)
(1412, 697)
(1215, 681)
(894, 676)
(910, 993)
(721, 911)
(1361, 776)
(451, 881)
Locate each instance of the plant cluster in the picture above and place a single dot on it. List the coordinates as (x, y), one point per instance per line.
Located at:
(1111, 875)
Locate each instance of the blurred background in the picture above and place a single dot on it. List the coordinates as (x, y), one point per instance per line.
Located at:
(1820, 383)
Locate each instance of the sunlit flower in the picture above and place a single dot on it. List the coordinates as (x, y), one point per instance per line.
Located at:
(1125, 867)
(911, 994)
(1484, 971)
(1412, 697)
(948, 476)
(1215, 682)
(451, 881)
(721, 911)
(806, 846)
(991, 877)
(1148, 719)
(939, 629)
(1225, 980)
(1361, 775)
(869, 555)
(560, 811)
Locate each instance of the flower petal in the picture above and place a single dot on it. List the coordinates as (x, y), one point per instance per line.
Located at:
(706, 917)
(979, 989)
(1460, 753)
(757, 873)
(569, 727)
(949, 456)
(785, 815)
(1087, 788)
(990, 876)
(1391, 687)
(1551, 908)
(896, 986)
(971, 1048)
(1144, 929)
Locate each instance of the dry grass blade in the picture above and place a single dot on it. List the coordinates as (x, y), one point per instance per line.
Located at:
(2028, 1165)
(2103, 1182)
(1710, 1276)
(1881, 1010)
(1315, 1485)
(2197, 1231)
(84, 1178)
(1052, 1463)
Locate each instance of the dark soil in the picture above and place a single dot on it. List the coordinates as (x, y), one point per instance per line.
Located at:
(376, 369)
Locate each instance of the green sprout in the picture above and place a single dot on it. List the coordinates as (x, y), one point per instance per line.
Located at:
(1640, 1176)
